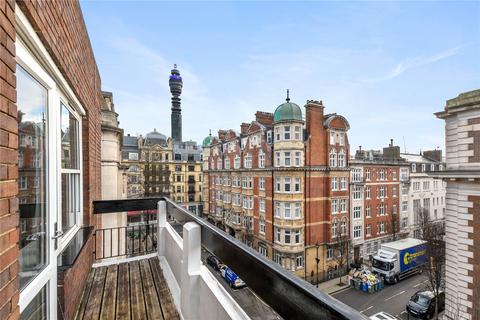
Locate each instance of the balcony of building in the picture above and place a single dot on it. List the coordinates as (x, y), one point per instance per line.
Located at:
(155, 271)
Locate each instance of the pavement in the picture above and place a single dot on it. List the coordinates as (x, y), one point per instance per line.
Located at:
(392, 299)
(333, 286)
(253, 306)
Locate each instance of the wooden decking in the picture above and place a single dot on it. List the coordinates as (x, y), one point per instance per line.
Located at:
(133, 290)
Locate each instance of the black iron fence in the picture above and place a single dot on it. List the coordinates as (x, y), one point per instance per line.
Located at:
(126, 241)
(290, 296)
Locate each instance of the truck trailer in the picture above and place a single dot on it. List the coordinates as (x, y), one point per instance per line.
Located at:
(399, 259)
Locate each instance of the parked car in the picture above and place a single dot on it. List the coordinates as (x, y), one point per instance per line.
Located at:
(214, 262)
(232, 279)
(383, 316)
(422, 304)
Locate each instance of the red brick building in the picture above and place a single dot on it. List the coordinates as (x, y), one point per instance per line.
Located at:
(270, 185)
(50, 102)
(377, 181)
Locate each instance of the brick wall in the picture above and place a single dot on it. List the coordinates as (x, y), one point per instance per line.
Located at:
(9, 287)
(71, 282)
(475, 260)
(55, 22)
(61, 27)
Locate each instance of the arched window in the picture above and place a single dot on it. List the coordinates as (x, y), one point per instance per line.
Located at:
(335, 228)
(341, 158)
(333, 158)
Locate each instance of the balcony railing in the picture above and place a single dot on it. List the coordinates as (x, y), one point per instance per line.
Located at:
(126, 241)
(290, 296)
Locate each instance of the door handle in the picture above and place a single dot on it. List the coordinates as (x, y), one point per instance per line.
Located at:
(58, 234)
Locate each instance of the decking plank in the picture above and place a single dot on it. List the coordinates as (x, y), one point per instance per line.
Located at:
(109, 299)
(166, 300)
(136, 293)
(85, 295)
(123, 292)
(152, 303)
(94, 304)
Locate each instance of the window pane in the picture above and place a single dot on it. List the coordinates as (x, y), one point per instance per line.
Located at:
(37, 308)
(69, 133)
(32, 108)
(70, 199)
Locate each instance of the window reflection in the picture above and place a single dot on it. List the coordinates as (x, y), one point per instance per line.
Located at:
(32, 107)
(70, 168)
(37, 308)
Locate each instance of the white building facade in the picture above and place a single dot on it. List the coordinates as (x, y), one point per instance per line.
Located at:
(462, 226)
(425, 191)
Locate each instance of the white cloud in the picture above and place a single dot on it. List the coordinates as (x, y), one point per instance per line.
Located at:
(411, 63)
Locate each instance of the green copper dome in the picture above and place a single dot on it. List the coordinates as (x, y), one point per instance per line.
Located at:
(287, 111)
(207, 141)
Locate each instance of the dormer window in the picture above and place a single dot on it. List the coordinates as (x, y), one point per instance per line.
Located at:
(332, 137)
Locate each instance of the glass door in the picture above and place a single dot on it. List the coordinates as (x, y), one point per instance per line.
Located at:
(36, 181)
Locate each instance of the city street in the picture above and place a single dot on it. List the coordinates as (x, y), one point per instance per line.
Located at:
(246, 298)
(392, 299)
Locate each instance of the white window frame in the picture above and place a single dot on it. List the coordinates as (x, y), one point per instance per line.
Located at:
(56, 85)
(261, 183)
(261, 159)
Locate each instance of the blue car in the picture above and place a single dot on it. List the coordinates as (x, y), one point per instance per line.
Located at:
(232, 279)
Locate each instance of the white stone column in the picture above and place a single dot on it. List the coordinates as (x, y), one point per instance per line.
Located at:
(162, 222)
(190, 297)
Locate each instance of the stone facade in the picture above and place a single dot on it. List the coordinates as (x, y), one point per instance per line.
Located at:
(157, 166)
(269, 185)
(425, 190)
(462, 124)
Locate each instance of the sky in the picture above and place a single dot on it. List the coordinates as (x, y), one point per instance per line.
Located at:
(385, 66)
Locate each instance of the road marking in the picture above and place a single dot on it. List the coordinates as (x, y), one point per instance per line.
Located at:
(366, 309)
(395, 295)
(419, 284)
(340, 291)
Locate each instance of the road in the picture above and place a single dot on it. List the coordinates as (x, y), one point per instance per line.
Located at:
(246, 298)
(392, 299)
(253, 306)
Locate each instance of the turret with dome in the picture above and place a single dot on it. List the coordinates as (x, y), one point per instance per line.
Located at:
(287, 111)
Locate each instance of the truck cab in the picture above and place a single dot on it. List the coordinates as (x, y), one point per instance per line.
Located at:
(385, 263)
(399, 259)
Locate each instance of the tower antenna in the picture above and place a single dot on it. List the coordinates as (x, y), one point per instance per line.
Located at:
(404, 145)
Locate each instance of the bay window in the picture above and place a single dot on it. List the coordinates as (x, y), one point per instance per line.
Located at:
(286, 132)
(298, 156)
(286, 159)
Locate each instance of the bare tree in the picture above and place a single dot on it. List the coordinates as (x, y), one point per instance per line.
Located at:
(341, 248)
(433, 233)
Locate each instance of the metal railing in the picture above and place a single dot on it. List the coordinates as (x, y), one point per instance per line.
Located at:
(290, 296)
(125, 241)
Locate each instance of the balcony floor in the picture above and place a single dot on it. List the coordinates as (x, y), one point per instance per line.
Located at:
(133, 290)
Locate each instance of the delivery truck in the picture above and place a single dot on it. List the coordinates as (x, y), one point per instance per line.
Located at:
(398, 259)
